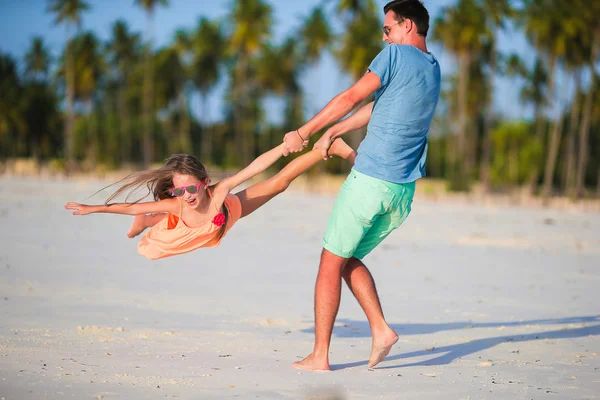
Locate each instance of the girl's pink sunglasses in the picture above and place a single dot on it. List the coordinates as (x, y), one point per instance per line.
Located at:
(191, 189)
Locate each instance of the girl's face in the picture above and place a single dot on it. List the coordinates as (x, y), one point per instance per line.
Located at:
(190, 183)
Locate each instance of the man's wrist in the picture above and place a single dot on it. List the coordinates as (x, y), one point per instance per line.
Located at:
(303, 133)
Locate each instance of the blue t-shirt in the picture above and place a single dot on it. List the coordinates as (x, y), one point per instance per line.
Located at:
(395, 147)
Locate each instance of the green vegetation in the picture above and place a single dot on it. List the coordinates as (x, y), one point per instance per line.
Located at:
(124, 103)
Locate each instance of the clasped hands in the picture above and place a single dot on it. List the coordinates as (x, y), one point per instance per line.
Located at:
(295, 143)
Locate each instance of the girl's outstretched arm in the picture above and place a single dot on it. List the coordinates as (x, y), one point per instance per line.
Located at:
(167, 205)
(257, 166)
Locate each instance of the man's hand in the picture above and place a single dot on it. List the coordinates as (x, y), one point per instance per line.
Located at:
(323, 144)
(293, 143)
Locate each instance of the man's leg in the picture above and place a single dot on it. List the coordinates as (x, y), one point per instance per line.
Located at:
(358, 209)
(328, 291)
(361, 284)
(359, 278)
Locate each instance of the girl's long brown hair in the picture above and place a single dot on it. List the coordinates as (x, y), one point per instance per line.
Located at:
(159, 182)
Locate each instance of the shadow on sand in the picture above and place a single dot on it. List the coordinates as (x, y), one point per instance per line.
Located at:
(447, 354)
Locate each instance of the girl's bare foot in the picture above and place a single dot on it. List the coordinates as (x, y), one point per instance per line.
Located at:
(341, 149)
(138, 226)
(310, 363)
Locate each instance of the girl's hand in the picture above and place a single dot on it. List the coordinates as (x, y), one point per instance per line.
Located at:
(80, 209)
(294, 143)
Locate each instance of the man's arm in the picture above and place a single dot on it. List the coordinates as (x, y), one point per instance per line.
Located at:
(356, 121)
(338, 107)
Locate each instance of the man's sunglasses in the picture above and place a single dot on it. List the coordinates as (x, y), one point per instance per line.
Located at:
(388, 29)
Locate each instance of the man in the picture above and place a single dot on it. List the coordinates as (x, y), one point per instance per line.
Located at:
(377, 195)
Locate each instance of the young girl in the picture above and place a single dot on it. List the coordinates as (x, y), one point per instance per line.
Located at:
(187, 213)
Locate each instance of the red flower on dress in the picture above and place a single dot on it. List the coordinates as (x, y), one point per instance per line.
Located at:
(219, 219)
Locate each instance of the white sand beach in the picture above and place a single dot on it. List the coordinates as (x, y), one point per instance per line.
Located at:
(491, 303)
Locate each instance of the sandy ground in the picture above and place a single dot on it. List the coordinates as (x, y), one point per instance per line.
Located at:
(490, 302)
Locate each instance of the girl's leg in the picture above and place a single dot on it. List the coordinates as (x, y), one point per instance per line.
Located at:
(258, 194)
(143, 221)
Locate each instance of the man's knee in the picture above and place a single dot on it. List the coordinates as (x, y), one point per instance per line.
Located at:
(331, 261)
(351, 265)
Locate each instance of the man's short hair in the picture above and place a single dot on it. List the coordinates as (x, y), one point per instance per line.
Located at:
(410, 9)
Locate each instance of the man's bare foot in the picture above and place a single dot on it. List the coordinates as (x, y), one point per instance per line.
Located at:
(138, 226)
(381, 347)
(311, 364)
(341, 149)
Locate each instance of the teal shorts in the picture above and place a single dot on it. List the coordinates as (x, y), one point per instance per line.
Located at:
(365, 212)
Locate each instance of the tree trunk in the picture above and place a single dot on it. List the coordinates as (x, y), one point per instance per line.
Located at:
(569, 175)
(463, 86)
(124, 127)
(462, 105)
(513, 161)
(540, 128)
(70, 120)
(167, 128)
(584, 129)
(206, 134)
(487, 128)
(185, 142)
(243, 138)
(148, 135)
(554, 138)
(93, 135)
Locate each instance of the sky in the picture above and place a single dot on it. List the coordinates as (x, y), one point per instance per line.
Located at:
(21, 20)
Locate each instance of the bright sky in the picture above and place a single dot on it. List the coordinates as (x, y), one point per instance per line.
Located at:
(21, 20)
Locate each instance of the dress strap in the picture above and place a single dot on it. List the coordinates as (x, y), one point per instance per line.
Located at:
(212, 200)
(180, 199)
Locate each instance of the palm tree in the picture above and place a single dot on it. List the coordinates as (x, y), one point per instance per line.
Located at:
(315, 36)
(462, 30)
(535, 92)
(40, 105)
(183, 48)
(89, 67)
(252, 21)
(278, 68)
(69, 11)
(496, 12)
(207, 45)
(593, 26)
(575, 59)
(124, 51)
(148, 143)
(37, 60)
(168, 92)
(12, 124)
(551, 27)
(359, 45)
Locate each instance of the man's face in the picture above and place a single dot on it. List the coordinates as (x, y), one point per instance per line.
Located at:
(394, 32)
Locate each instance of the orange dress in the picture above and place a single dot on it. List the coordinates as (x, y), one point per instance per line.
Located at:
(171, 236)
